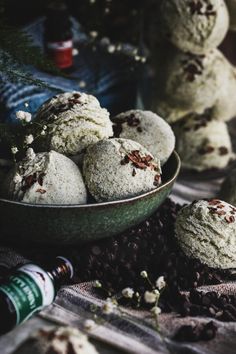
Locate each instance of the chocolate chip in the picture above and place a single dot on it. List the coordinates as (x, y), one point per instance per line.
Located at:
(41, 191)
(206, 150)
(229, 219)
(188, 333)
(223, 150)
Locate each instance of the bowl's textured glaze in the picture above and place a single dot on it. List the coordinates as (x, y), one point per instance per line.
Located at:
(75, 224)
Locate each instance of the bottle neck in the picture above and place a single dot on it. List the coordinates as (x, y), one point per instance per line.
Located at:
(61, 272)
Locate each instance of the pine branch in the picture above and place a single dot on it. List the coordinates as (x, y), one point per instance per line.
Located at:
(17, 52)
(19, 45)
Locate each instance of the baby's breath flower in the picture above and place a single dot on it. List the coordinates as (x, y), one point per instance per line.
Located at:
(150, 297)
(156, 310)
(14, 150)
(156, 292)
(45, 127)
(24, 116)
(30, 154)
(143, 59)
(160, 283)
(128, 293)
(26, 104)
(108, 307)
(17, 178)
(89, 324)
(93, 34)
(97, 284)
(82, 84)
(29, 139)
(43, 132)
(111, 48)
(75, 52)
(144, 274)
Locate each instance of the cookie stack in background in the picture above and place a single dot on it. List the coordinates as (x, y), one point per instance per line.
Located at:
(195, 87)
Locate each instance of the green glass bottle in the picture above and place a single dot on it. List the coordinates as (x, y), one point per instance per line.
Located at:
(29, 289)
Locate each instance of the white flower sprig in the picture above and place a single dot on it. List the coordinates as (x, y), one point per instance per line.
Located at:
(150, 296)
(128, 293)
(29, 139)
(160, 283)
(24, 117)
(14, 150)
(153, 296)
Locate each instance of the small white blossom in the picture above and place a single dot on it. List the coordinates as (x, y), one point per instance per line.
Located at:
(89, 324)
(24, 116)
(105, 41)
(75, 52)
(143, 60)
(93, 34)
(108, 307)
(111, 48)
(82, 84)
(14, 150)
(137, 58)
(128, 293)
(156, 310)
(17, 178)
(150, 297)
(97, 284)
(156, 292)
(160, 283)
(30, 154)
(43, 132)
(45, 127)
(29, 139)
(144, 274)
(26, 104)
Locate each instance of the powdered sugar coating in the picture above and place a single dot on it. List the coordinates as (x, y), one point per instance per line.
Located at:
(74, 121)
(195, 26)
(148, 129)
(120, 168)
(206, 230)
(203, 143)
(48, 178)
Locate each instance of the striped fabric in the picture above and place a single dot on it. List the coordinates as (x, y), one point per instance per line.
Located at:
(130, 332)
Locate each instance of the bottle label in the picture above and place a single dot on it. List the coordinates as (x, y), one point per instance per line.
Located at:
(61, 53)
(29, 289)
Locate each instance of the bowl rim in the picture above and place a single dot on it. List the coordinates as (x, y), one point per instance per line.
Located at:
(102, 204)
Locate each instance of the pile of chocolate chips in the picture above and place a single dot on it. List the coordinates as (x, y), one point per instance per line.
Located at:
(151, 246)
(210, 304)
(189, 333)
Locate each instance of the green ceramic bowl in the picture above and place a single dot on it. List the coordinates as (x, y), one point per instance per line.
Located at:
(74, 224)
